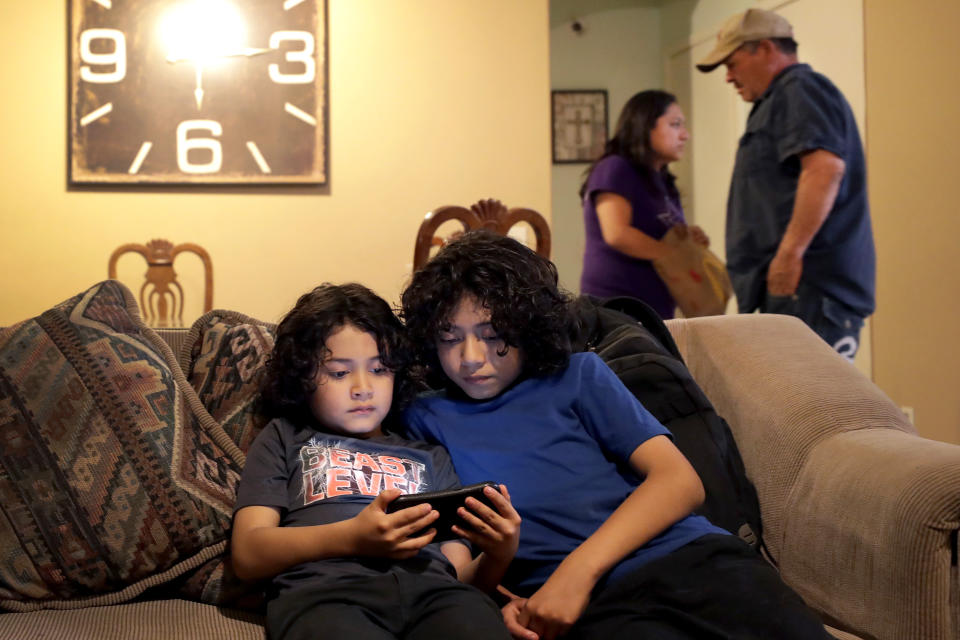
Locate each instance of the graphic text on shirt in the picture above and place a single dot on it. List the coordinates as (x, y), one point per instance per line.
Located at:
(331, 471)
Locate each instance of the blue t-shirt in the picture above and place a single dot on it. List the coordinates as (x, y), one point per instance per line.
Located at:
(315, 478)
(800, 111)
(561, 444)
(655, 207)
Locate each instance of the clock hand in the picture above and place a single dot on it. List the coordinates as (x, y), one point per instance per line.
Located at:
(251, 51)
(198, 92)
(198, 65)
(246, 51)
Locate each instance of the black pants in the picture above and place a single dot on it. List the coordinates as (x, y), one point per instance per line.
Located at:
(714, 588)
(386, 607)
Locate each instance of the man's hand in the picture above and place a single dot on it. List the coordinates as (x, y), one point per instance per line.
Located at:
(821, 173)
(783, 276)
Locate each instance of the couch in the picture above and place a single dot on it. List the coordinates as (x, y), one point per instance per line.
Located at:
(121, 446)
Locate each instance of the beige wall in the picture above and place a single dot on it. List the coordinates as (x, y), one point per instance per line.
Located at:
(432, 102)
(913, 155)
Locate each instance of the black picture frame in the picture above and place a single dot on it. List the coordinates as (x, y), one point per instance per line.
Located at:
(578, 119)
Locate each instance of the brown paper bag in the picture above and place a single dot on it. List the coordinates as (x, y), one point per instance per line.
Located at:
(696, 277)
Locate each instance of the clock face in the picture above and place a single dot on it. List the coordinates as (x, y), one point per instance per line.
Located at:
(197, 91)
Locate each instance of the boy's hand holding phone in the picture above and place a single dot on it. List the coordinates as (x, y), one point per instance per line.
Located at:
(481, 514)
(391, 535)
(494, 530)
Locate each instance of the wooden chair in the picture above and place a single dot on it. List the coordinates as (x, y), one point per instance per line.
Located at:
(161, 296)
(485, 214)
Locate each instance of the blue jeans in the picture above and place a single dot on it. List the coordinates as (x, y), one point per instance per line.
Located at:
(830, 319)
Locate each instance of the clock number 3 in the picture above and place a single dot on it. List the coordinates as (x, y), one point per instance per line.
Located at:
(304, 56)
(117, 57)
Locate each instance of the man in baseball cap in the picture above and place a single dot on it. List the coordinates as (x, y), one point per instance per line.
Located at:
(752, 25)
(798, 239)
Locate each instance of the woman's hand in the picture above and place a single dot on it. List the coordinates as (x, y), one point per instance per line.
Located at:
(699, 236)
(387, 535)
(496, 532)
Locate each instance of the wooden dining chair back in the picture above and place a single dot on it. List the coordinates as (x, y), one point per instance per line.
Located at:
(486, 214)
(161, 296)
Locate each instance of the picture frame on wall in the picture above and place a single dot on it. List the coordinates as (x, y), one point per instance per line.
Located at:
(579, 123)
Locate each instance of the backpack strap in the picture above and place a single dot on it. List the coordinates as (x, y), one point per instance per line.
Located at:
(646, 316)
(585, 331)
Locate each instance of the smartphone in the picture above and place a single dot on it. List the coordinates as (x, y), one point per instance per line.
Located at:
(447, 503)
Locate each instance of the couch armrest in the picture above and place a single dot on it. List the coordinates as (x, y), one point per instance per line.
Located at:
(859, 512)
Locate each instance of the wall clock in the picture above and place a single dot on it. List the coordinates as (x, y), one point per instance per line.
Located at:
(197, 91)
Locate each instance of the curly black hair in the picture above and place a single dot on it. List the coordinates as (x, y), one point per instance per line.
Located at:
(300, 348)
(520, 288)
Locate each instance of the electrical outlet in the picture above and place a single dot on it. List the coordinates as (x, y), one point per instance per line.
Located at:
(908, 412)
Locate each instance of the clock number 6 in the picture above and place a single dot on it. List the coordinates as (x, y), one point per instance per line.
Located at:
(185, 144)
(304, 56)
(117, 57)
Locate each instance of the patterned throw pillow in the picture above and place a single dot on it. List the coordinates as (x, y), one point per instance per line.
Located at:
(224, 357)
(113, 477)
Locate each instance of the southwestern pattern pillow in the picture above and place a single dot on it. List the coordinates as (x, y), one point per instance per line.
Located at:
(224, 357)
(113, 477)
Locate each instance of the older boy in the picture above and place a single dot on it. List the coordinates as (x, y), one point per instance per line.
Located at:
(608, 545)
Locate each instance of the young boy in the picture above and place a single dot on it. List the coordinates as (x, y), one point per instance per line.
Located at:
(311, 506)
(608, 548)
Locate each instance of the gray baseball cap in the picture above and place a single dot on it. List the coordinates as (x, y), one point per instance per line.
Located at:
(749, 26)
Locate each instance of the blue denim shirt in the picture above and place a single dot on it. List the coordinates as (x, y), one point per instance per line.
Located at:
(801, 111)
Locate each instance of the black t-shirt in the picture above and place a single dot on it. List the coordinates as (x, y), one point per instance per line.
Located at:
(313, 478)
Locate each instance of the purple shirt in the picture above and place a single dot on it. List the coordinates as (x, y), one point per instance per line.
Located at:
(656, 208)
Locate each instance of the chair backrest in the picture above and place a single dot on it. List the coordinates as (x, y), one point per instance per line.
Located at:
(161, 296)
(485, 214)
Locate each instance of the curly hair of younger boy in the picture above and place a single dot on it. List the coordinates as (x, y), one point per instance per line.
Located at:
(300, 346)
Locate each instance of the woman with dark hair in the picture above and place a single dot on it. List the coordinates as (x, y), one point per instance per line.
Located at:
(630, 201)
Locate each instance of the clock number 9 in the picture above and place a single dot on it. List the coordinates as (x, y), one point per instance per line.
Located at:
(117, 57)
(185, 144)
(304, 56)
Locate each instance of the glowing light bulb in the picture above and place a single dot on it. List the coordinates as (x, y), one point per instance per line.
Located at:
(202, 31)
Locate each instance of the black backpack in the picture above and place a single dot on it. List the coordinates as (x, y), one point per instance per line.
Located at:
(635, 343)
